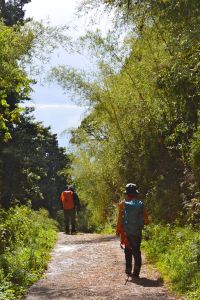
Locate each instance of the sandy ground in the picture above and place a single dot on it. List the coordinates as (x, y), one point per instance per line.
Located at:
(91, 266)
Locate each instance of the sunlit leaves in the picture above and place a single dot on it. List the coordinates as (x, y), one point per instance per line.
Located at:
(14, 84)
(143, 100)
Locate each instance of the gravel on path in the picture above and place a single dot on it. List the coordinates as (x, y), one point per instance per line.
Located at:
(91, 266)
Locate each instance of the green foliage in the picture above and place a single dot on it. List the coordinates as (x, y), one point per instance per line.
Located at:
(12, 11)
(32, 164)
(14, 84)
(84, 221)
(28, 237)
(176, 252)
(143, 101)
(193, 211)
(110, 226)
(195, 155)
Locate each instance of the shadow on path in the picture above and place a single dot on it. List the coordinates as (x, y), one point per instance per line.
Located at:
(100, 239)
(143, 281)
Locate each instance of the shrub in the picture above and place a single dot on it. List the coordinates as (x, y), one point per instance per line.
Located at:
(28, 237)
(176, 252)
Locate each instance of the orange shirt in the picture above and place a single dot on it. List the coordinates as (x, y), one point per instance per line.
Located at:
(67, 198)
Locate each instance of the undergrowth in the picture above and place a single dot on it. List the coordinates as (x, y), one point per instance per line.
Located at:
(27, 238)
(176, 252)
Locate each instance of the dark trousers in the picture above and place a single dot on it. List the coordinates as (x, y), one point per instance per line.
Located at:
(70, 220)
(133, 251)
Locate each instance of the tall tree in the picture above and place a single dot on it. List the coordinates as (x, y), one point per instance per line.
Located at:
(12, 11)
(14, 84)
(31, 166)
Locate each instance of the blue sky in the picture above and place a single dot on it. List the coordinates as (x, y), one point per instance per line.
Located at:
(52, 106)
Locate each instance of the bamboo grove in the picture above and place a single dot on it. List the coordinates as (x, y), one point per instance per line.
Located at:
(142, 122)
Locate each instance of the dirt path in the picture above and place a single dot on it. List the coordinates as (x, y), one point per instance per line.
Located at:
(91, 266)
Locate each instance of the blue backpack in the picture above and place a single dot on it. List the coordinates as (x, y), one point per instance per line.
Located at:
(133, 217)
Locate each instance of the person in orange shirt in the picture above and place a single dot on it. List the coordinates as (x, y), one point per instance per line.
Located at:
(132, 216)
(71, 205)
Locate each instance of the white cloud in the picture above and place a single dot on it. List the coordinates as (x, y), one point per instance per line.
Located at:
(68, 106)
(56, 106)
(58, 12)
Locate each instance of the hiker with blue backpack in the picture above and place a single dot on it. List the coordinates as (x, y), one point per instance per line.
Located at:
(132, 217)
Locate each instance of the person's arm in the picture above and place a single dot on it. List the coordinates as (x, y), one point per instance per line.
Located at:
(61, 200)
(119, 219)
(62, 196)
(77, 202)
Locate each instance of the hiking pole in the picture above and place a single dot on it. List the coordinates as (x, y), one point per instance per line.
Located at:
(127, 279)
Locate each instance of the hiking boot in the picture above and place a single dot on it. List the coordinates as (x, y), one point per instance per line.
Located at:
(136, 272)
(133, 275)
(128, 271)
